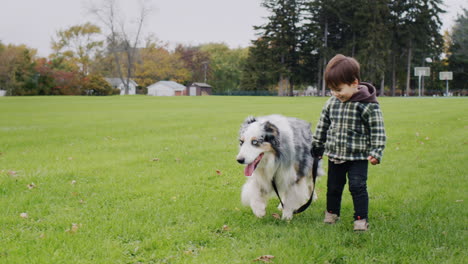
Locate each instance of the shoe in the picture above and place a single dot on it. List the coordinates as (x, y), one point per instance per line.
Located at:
(361, 225)
(330, 218)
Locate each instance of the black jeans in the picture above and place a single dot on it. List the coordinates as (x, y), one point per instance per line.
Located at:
(357, 175)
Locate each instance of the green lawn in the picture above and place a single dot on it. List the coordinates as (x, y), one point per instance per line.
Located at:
(136, 179)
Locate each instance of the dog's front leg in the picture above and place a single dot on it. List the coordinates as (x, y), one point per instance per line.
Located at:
(252, 196)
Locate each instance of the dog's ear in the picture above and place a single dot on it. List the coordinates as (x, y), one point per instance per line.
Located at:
(249, 120)
(271, 129)
(271, 134)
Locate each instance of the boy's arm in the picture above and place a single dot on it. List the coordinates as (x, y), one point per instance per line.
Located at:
(377, 134)
(320, 135)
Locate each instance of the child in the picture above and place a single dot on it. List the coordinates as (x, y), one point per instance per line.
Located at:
(351, 133)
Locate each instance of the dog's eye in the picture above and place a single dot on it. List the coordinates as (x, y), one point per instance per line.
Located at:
(256, 142)
(241, 142)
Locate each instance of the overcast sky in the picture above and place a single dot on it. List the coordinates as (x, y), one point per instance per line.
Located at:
(35, 22)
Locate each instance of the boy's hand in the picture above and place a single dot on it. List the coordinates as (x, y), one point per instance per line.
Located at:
(373, 160)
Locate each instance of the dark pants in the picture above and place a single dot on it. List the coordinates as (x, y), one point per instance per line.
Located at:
(357, 176)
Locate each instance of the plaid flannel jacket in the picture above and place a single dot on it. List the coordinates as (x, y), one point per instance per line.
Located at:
(350, 130)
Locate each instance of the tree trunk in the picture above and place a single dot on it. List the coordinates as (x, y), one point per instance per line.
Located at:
(408, 70)
(393, 75)
(319, 77)
(324, 58)
(382, 86)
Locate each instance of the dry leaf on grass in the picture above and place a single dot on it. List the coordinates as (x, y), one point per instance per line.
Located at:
(73, 229)
(31, 186)
(24, 215)
(276, 216)
(265, 258)
(218, 172)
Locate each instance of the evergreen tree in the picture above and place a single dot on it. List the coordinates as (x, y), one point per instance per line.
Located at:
(458, 59)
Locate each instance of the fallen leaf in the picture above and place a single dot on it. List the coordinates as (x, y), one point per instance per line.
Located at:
(31, 186)
(218, 172)
(226, 228)
(276, 216)
(73, 229)
(155, 159)
(265, 258)
(24, 215)
(73, 182)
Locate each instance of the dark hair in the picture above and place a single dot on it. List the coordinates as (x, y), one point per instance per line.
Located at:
(341, 69)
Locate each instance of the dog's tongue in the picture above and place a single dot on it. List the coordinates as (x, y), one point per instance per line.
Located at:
(249, 169)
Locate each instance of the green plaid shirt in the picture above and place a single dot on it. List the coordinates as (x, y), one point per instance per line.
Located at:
(350, 130)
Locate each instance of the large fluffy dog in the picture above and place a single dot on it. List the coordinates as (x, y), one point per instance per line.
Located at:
(276, 151)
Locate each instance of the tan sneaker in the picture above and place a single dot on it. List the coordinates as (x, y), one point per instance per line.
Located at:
(361, 225)
(330, 218)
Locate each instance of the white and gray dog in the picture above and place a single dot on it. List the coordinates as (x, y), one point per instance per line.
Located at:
(276, 151)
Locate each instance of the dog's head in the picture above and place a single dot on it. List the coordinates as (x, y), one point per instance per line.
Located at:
(257, 138)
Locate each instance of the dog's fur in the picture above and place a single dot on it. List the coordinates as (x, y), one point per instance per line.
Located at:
(276, 147)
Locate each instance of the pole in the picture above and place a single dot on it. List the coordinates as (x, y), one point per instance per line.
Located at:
(446, 85)
(419, 86)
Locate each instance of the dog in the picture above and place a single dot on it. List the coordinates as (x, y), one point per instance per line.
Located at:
(277, 153)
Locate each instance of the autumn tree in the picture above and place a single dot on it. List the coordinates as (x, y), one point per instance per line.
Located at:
(17, 74)
(79, 44)
(156, 63)
(196, 61)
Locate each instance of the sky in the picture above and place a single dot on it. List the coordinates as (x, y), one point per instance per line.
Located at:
(190, 22)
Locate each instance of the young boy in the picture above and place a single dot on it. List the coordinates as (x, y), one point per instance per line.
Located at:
(351, 133)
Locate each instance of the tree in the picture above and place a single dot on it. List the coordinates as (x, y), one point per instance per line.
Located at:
(258, 72)
(282, 33)
(156, 63)
(120, 42)
(458, 58)
(196, 61)
(97, 85)
(17, 69)
(78, 44)
(225, 66)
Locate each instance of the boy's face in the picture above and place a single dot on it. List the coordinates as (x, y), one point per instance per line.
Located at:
(345, 91)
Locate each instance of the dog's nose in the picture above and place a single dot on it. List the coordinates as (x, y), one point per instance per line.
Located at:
(241, 160)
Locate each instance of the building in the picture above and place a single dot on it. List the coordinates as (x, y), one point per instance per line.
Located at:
(197, 89)
(167, 88)
(118, 84)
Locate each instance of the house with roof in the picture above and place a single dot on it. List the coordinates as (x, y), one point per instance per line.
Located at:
(197, 89)
(118, 84)
(167, 88)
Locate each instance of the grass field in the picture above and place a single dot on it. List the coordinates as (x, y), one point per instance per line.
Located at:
(136, 179)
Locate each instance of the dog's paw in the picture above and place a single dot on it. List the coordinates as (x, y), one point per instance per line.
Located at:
(259, 212)
(287, 216)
